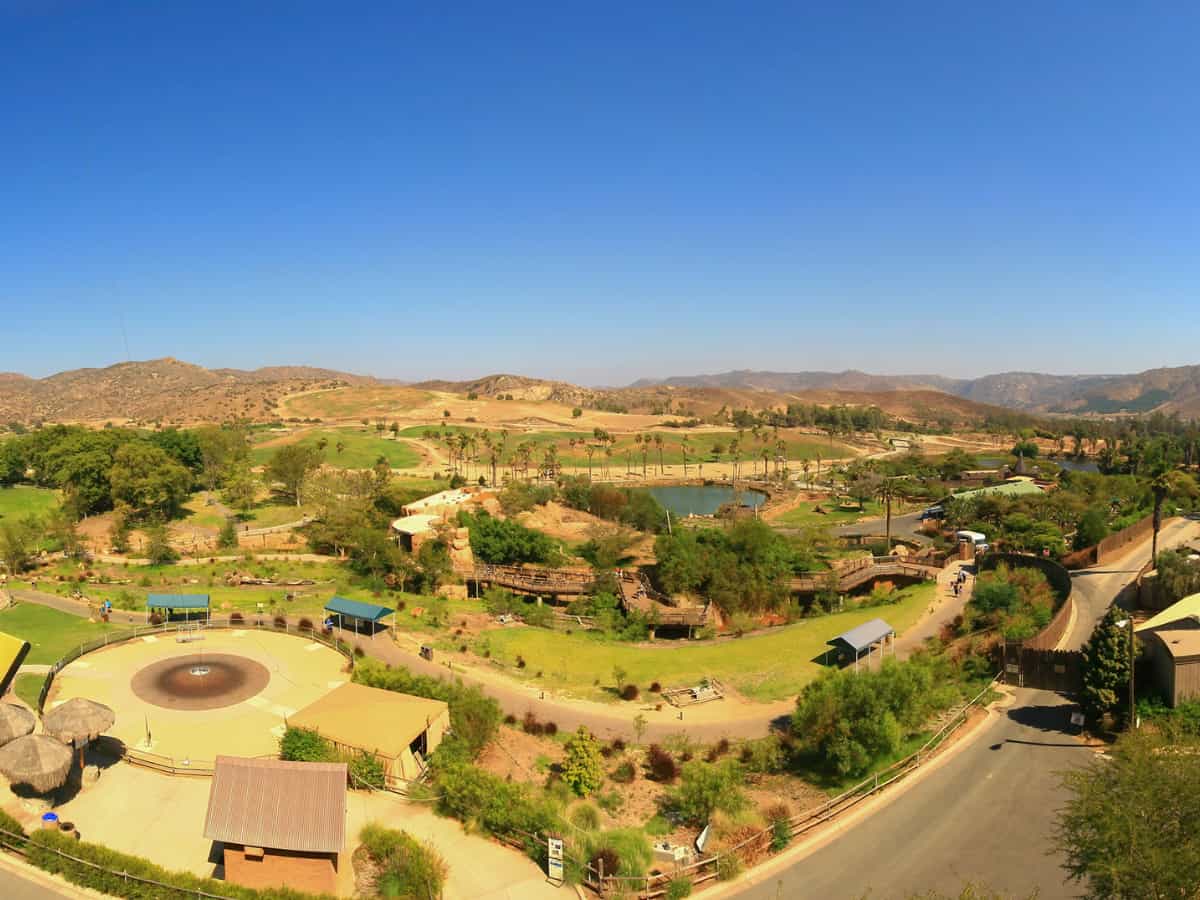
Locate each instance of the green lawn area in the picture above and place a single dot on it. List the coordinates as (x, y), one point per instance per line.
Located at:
(50, 633)
(360, 449)
(27, 687)
(23, 500)
(700, 449)
(773, 665)
(804, 514)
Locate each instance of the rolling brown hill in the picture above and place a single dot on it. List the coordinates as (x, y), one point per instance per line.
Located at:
(161, 390)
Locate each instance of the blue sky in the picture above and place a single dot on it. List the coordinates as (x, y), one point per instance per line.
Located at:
(600, 192)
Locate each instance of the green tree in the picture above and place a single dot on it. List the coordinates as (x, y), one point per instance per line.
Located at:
(241, 488)
(1092, 528)
(583, 767)
(290, 465)
(18, 540)
(1106, 665)
(148, 480)
(705, 788)
(120, 529)
(158, 545)
(1131, 826)
(227, 538)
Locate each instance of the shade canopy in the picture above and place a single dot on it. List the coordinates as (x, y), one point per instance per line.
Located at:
(36, 760)
(861, 637)
(15, 721)
(177, 601)
(12, 653)
(357, 609)
(78, 721)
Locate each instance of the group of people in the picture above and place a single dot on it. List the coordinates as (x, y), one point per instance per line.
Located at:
(960, 581)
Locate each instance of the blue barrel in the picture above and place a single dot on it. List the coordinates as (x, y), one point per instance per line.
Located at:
(50, 820)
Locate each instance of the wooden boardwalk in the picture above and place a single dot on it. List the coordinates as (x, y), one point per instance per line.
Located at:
(636, 592)
(861, 571)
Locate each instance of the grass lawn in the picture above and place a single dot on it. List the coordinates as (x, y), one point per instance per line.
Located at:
(804, 514)
(50, 633)
(360, 449)
(370, 401)
(770, 666)
(27, 687)
(23, 500)
(700, 447)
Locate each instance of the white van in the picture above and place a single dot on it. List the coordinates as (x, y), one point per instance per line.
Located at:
(978, 538)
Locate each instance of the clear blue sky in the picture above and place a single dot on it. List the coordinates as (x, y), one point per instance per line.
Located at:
(600, 191)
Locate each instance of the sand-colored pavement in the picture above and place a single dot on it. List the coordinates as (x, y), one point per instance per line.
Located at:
(300, 670)
(161, 818)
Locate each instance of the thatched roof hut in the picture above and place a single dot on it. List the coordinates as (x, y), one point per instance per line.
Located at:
(15, 721)
(36, 760)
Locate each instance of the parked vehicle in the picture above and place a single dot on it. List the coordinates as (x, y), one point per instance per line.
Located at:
(933, 512)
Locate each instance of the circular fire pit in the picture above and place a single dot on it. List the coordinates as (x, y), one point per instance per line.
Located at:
(200, 681)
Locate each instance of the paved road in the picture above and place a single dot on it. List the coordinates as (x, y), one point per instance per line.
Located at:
(985, 816)
(907, 526)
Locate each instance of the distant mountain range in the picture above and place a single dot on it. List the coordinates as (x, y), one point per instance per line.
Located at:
(159, 390)
(1166, 390)
(169, 391)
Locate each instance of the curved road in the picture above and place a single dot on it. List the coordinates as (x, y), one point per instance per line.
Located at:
(985, 817)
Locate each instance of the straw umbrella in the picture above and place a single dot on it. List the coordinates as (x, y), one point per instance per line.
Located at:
(15, 721)
(78, 721)
(36, 760)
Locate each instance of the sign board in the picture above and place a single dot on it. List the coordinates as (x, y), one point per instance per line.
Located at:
(1012, 668)
(1077, 719)
(702, 839)
(554, 859)
(1059, 669)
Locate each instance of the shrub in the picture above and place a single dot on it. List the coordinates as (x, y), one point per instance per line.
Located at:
(14, 833)
(303, 745)
(583, 769)
(550, 728)
(781, 835)
(530, 723)
(618, 745)
(655, 687)
(678, 888)
(358, 651)
(629, 692)
(365, 770)
(305, 625)
(407, 868)
(499, 807)
(625, 852)
(510, 719)
(104, 870)
(662, 765)
(280, 622)
(585, 816)
(705, 788)
(624, 773)
(729, 867)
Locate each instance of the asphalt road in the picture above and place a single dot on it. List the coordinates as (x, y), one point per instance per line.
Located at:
(986, 816)
(907, 526)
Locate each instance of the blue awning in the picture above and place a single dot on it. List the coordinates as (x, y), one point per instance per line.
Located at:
(177, 601)
(356, 608)
(863, 636)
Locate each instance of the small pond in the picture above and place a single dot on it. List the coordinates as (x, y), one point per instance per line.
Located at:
(1068, 463)
(703, 499)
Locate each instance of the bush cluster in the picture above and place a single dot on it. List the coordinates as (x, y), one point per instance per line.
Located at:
(407, 868)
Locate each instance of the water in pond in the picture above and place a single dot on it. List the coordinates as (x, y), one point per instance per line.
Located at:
(1073, 465)
(703, 499)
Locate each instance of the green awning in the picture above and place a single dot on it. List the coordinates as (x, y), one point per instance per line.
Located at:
(177, 601)
(368, 612)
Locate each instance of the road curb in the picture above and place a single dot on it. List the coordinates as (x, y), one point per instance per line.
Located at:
(797, 852)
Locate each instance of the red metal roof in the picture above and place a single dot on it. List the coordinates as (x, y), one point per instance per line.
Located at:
(278, 805)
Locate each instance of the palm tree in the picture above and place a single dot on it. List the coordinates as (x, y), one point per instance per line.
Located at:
(608, 454)
(885, 490)
(1161, 487)
(590, 449)
(683, 446)
(340, 446)
(805, 465)
(645, 453)
(658, 442)
(322, 443)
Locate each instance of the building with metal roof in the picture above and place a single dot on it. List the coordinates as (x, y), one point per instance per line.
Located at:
(1172, 642)
(852, 643)
(1013, 488)
(401, 730)
(281, 824)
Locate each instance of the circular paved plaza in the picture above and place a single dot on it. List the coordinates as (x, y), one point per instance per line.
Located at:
(227, 693)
